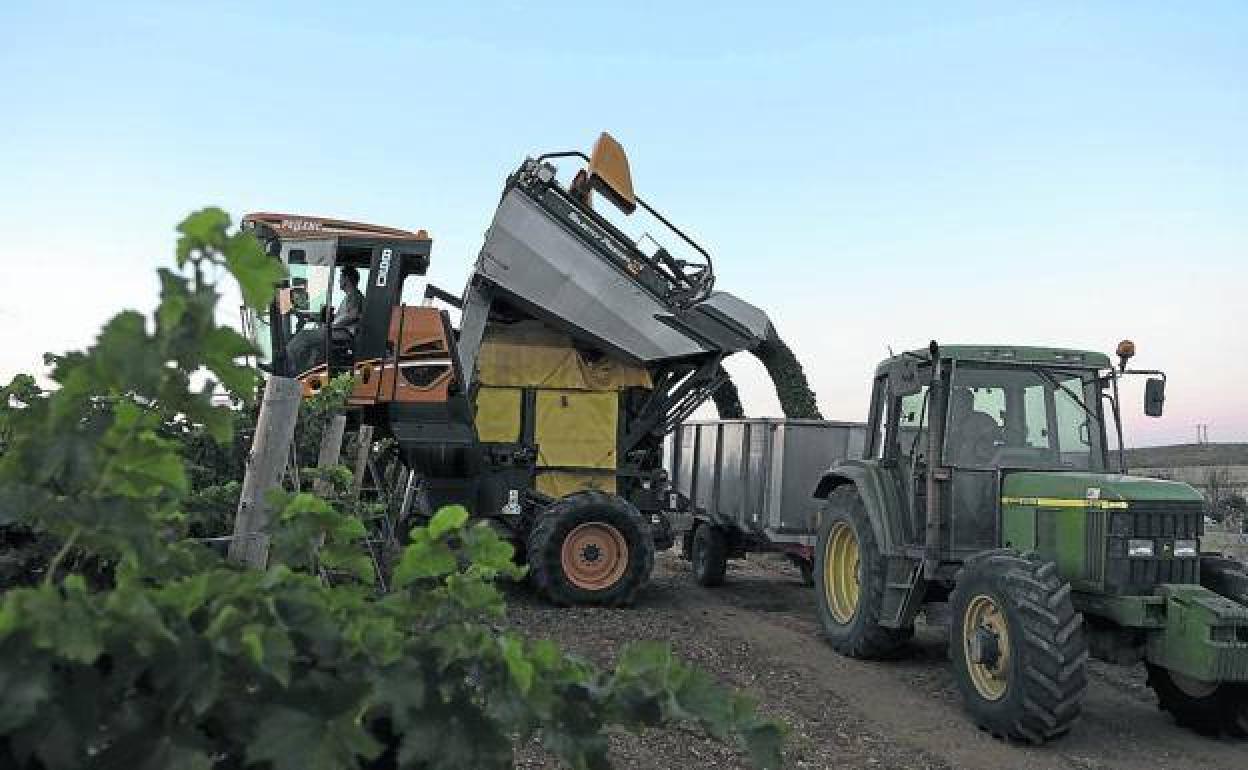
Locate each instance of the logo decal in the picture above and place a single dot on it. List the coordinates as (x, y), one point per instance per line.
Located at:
(383, 267)
(301, 225)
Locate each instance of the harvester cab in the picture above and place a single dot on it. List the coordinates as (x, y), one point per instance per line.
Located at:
(988, 483)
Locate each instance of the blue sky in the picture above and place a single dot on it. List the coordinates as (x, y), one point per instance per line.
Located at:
(1045, 173)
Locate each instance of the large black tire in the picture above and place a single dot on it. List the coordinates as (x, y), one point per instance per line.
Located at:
(595, 512)
(709, 554)
(1017, 645)
(853, 628)
(1224, 576)
(1208, 708)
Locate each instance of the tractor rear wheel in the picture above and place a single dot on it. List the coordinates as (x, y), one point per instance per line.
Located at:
(1017, 646)
(1209, 708)
(849, 574)
(709, 554)
(590, 548)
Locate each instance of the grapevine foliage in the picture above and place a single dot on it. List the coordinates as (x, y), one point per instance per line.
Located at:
(181, 660)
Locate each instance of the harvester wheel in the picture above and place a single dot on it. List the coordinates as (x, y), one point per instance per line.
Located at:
(1017, 645)
(710, 554)
(850, 573)
(590, 548)
(1224, 576)
(1209, 708)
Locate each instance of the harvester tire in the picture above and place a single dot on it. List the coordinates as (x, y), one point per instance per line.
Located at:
(1225, 576)
(1018, 647)
(1210, 709)
(590, 548)
(709, 555)
(850, 574)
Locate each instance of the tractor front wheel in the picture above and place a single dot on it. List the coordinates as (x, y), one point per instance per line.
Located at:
(849, 574)
(1209, 708)
(1017, 646)
(590, 548)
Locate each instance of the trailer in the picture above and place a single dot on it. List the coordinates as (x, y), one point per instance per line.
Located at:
(746, 485)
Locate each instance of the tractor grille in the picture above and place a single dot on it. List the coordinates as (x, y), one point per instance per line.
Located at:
(1163, 523)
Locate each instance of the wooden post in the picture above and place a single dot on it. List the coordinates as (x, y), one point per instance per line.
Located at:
(270, 450)
(331, 450)
(365, 441)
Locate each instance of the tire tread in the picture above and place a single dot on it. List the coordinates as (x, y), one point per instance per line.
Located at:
(545, 544)
(1053, 647)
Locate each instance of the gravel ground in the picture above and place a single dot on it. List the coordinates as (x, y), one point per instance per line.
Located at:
(759, 633)
(825, 732)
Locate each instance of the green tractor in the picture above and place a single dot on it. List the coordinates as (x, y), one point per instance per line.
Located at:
(987, 483)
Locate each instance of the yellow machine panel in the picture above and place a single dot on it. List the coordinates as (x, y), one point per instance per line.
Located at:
(576, 429)
(575, 401)
(530, 355)
(498, 414)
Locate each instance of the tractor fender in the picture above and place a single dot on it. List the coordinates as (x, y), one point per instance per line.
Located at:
(879, 497)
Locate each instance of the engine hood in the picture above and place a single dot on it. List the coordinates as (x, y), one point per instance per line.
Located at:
(1088, 488)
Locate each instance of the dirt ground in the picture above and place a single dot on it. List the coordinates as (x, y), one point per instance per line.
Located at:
(758, 632)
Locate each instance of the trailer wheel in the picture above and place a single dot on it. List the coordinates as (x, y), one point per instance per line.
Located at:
(850, 573)
(590, 548)
(710, 554)
(1209, 708)
(1017, 646)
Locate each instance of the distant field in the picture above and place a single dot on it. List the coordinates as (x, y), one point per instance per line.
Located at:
(1236, 545)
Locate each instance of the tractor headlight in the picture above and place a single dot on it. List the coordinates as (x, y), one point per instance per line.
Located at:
(1138, 548)
(1186, 548)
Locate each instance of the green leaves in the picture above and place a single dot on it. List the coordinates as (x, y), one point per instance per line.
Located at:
(169, 657)
(648, 682)
(203, 231)
(447, 520)
(518, 664)
(291, 739)
(423, 558)
(257, 273)
(205, 236)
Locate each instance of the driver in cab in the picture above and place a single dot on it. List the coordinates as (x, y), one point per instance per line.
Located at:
(973, 435)
(306, 348)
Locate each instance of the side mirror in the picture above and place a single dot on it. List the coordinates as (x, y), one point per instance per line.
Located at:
(1154, 396)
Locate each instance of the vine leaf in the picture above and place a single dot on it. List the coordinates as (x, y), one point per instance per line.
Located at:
(296, 740)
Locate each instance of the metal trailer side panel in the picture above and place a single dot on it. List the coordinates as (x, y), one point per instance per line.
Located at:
(757, 475)
(733, 482)
(758, 472)
(706, 463)
(807, 451)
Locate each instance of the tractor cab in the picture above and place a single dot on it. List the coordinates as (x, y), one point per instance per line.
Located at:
(1000, 410)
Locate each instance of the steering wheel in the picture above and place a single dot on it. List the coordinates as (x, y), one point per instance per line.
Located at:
(303, 316)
